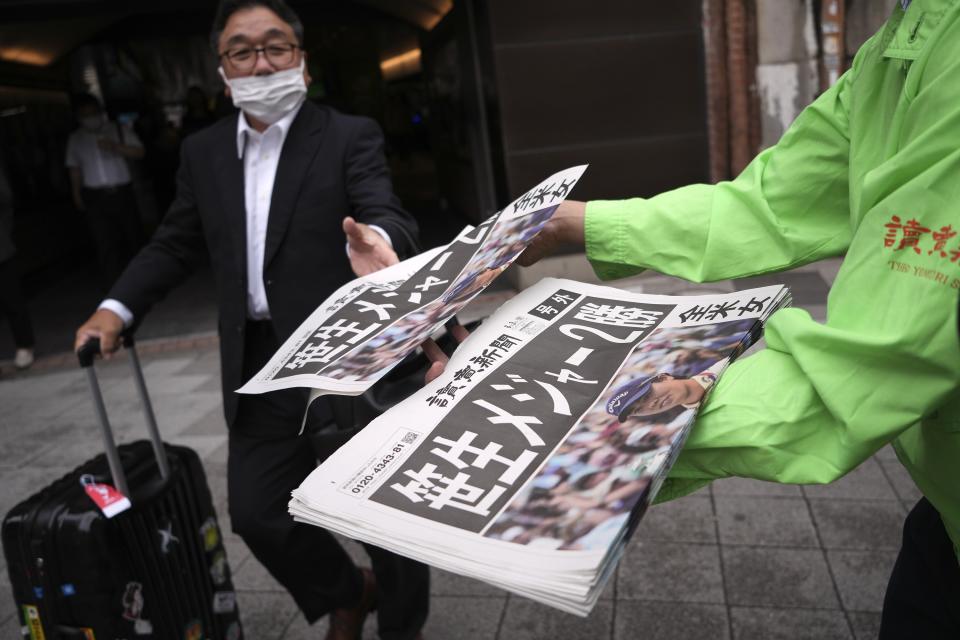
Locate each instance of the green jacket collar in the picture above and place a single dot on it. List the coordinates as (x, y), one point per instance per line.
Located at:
(907, 31)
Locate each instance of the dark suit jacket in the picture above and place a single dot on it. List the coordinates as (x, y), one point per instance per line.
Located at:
(331, 166)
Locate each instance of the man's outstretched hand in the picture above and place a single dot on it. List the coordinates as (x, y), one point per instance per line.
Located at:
(565, 227)
(367, 249)
(438, 359)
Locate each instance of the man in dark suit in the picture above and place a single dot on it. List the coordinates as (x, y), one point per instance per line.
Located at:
(263, 195)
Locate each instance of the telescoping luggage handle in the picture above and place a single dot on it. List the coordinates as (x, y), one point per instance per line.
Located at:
(86, 355)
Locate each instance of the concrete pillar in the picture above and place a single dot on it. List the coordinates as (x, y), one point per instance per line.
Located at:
(787, 75)
(864, 18)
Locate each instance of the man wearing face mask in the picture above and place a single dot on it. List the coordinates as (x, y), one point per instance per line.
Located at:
(288, 200)
(97, 156)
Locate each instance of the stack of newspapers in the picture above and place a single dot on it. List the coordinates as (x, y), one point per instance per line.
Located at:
(529, 462)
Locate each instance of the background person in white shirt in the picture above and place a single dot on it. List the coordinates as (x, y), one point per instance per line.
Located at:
(97, 155)
(12, 304)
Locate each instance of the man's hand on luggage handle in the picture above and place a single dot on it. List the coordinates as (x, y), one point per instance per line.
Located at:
(367, 249)
(103, 324)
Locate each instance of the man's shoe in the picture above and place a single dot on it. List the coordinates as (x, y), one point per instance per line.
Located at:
(346, 624)
(23, 358)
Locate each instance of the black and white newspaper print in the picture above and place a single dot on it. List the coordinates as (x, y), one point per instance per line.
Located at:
(558, 416)
(370, 324)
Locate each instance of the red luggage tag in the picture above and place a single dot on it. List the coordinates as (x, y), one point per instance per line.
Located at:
(109, 500)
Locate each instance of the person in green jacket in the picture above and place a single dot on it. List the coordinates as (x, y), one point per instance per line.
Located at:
(871, 170)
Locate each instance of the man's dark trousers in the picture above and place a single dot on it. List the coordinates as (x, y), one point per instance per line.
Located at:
(923, 595)
(115, 225)
(267, 461)
(13, 306)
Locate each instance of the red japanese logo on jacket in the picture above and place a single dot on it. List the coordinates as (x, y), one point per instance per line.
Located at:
(912, 235)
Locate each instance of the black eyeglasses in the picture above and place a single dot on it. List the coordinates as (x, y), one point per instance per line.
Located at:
(244, 58)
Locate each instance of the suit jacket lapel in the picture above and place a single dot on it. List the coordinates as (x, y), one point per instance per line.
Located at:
(229, 172)
(299, 149)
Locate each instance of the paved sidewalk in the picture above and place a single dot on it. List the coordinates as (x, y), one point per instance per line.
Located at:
(741, 559)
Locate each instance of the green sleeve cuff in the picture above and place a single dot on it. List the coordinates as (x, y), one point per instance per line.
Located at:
(606, 236)
(674, 488)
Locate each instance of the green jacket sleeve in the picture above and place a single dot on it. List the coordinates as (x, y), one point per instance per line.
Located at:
(821, 398)
(792, 200)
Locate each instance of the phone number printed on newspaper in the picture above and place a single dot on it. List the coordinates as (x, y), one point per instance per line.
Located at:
(380, 463)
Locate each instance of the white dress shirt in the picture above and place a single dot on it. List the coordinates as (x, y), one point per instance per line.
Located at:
(260, 153)
(99, 168)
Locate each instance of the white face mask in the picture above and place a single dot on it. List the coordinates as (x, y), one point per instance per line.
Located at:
(268, 98)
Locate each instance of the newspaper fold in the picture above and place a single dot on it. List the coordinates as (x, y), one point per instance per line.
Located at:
(372, 323)
(530, 461)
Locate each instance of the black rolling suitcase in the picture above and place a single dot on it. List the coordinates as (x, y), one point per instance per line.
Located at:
(155, 568)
